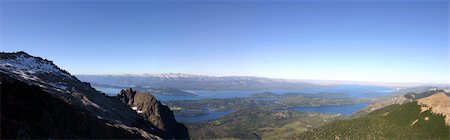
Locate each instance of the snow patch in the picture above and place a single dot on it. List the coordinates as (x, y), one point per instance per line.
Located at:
(29, 65)
(414, 122)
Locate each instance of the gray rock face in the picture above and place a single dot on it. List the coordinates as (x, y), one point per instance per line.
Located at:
(159, 115)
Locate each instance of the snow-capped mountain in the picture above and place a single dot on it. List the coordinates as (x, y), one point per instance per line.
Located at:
(31, 83)
(34, 70)
(194, 82)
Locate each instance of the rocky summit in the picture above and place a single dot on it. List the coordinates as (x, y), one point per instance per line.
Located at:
(147, 106)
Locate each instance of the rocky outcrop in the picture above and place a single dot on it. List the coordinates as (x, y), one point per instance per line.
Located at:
(159, 115)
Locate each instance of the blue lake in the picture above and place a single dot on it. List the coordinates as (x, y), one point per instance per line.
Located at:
(351, 91)
(335, 109)
(211, 115)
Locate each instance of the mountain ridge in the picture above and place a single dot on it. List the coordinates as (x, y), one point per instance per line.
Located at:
(413, 119)
(195, 82)
(320, 82)
(399, 98)
(59, 87)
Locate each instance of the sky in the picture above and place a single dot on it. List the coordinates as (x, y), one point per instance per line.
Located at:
(369, 40)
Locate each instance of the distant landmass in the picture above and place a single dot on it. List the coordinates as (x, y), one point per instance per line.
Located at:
(183, 82)
(167, 91)
(153, 90)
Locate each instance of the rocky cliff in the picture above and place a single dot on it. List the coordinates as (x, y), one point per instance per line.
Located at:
(147, 106)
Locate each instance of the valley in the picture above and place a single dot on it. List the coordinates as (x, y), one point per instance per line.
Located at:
(268, 114)
(280, 113)
(343, 99)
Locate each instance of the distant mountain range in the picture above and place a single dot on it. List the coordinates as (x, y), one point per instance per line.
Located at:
(40, 100)
(202, 82)
(194, 82)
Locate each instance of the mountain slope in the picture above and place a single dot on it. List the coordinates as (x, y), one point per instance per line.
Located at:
(29, 112)
(407, 121)
(399, 97)
(35, 84)
(256, 123)
(438, 103)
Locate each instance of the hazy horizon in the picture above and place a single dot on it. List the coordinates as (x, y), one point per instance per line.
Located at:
(385, 41)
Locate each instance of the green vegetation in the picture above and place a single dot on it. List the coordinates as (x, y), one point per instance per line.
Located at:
(393, 122)
(264, 116)
(257, 123)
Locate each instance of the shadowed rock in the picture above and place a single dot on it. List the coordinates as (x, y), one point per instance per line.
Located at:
(159, 115)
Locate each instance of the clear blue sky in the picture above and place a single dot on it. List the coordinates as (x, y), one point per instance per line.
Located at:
(400, 41)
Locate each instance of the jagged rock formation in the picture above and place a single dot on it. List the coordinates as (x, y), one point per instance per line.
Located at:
(39, 100)
(159, 115)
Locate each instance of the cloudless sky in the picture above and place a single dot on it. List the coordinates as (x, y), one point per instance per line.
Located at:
(389, 41)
